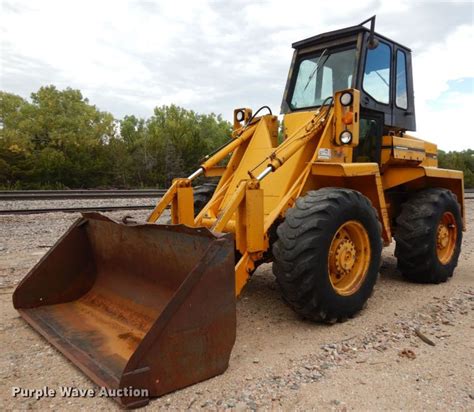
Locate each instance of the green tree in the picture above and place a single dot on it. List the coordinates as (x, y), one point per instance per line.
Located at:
(15, 144)
(132, 152)
(56, 140)
(180, 138)
(59, 139)
(463, 160)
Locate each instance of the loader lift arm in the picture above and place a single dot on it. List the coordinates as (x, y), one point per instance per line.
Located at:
(238, 205)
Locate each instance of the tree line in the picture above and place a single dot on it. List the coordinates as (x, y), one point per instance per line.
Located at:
(59, 140)
(463, 160)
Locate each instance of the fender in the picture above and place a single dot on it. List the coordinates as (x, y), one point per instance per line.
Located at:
(422, 177)
(363, 177)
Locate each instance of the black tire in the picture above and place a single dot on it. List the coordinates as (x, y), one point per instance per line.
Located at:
(301, 253)
(202, 195)
(416, 236)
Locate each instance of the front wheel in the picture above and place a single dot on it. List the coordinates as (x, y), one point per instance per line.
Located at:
(327, 256)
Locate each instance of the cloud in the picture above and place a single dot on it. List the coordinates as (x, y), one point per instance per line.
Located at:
(128, 56)
(440, 110)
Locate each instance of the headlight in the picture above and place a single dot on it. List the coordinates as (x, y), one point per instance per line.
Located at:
(346, 99)
(240, 115)
(346, 137)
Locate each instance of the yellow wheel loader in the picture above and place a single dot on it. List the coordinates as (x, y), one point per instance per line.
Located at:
(146, 309)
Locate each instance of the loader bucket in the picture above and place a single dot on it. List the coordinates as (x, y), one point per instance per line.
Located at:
(143, 310)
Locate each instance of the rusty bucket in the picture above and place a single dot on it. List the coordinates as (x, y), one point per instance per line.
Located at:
(143, 309)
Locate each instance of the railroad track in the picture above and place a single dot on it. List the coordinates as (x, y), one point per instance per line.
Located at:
(79, 194)
(73, 209)
(30, 195)
(92, 194)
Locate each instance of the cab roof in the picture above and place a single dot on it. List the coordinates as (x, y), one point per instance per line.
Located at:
(335, 34)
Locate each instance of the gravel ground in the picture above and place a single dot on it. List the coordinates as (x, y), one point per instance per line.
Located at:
(43, 204)
(374, 361)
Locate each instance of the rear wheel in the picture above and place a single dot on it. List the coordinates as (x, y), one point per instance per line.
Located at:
(202, 195)
(327, 256)
(429, 236)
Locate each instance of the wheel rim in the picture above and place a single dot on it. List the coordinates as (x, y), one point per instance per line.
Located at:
(446, 236)
(349, 258)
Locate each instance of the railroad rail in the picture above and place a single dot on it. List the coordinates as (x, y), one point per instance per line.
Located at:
(73, 209)
(79, 194)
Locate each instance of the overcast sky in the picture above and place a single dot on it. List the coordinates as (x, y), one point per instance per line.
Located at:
(128, 56)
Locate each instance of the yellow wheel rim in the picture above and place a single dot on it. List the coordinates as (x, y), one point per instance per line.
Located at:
(446, 236)
(349, 258)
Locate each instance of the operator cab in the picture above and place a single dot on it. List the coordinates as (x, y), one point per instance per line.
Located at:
(355, 57)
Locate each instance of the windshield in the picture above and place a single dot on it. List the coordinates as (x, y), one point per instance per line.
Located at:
(314, 83)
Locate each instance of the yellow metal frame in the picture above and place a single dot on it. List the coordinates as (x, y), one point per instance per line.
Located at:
(263, 179)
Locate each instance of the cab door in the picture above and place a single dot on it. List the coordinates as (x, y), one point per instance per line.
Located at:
(375, 80)
(386, 83)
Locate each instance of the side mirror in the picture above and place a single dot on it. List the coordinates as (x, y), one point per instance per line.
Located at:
(372, 43)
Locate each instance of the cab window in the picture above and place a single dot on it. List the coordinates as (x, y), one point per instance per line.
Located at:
(377, 73)
(320, 75)
(401, 83)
